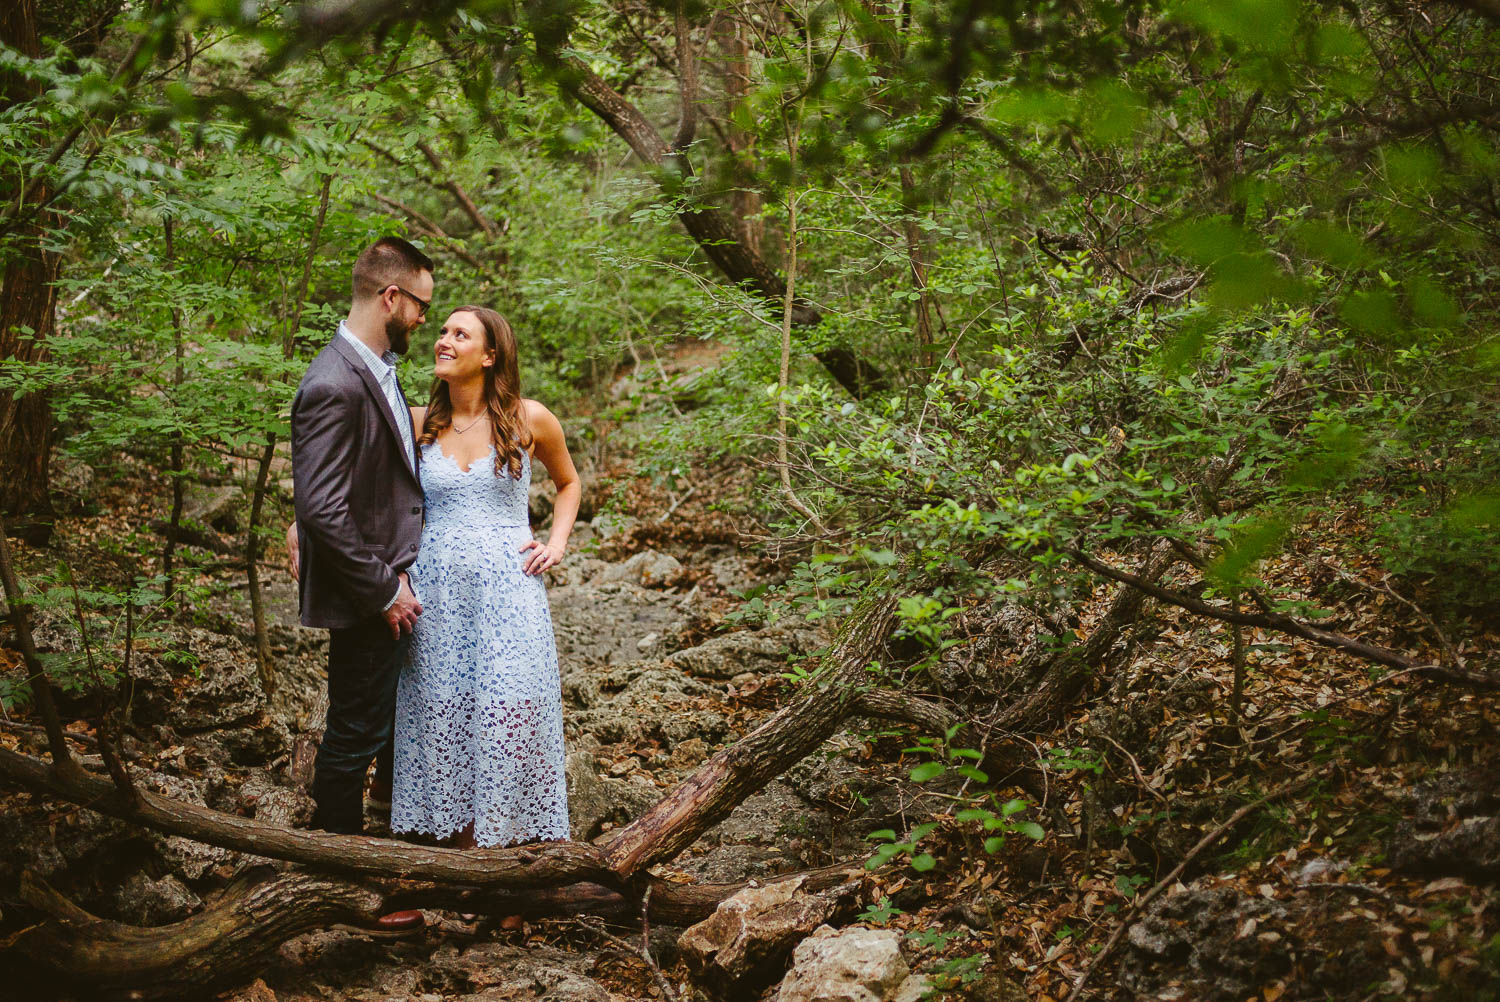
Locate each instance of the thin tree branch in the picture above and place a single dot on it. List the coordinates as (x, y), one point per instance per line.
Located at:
(456, 190)
(41, 686)
(437, 233)
(1297, 628)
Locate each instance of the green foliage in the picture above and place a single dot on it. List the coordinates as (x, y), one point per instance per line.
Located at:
(881, 912)
(1099, 252)
(893, 847)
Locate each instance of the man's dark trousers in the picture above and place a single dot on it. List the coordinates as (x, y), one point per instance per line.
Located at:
(364, 663)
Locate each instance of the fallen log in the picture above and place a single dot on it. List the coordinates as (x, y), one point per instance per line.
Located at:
(671, 902)
(697, 804)
(197, 536)
(233, 938)
(546, 865)
(221, 946)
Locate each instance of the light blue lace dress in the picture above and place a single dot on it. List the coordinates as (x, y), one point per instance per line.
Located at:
(479, 733)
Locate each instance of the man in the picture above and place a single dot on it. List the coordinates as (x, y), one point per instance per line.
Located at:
(359, 518)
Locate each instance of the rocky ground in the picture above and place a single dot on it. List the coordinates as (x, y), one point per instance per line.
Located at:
(650, 688)
(1376, 880)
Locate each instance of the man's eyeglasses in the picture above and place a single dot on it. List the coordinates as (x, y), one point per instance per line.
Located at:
(423, 304)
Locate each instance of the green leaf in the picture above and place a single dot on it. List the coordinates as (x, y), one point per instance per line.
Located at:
(1031, 830)
(928, 770)
(923, 862)
(922, 831)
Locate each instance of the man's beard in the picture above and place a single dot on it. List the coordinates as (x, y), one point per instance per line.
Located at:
(398, 332)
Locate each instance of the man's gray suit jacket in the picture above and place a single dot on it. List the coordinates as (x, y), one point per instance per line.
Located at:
(358, 498)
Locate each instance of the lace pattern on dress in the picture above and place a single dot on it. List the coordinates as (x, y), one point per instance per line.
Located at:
(479, 734)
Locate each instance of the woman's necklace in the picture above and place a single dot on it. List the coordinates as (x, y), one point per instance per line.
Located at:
(460, 431)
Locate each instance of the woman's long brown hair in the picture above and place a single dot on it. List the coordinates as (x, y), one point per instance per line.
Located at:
(502, 397)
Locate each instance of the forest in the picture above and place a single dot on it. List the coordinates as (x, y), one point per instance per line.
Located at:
(1040, 463)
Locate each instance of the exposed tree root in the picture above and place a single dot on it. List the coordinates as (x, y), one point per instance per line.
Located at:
(220, 946)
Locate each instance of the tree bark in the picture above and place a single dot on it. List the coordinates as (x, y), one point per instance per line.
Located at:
(28, 303)
(219, 947)
(744, 199)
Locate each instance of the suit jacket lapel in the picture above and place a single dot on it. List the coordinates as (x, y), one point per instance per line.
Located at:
(346, 349)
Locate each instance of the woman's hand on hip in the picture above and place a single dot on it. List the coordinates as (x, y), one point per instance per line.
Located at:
(293, 556)
(544, 556)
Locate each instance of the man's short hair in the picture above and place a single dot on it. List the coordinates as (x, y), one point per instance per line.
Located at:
(388, 261)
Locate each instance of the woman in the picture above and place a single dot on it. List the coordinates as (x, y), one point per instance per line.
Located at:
(479, 741)
(479, 738)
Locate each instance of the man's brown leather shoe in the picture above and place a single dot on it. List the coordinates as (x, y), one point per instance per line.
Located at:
(404, 921)
(379, 797)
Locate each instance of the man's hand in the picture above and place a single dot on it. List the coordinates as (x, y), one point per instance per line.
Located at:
(544, 556)
(401, 617)
(293, 552)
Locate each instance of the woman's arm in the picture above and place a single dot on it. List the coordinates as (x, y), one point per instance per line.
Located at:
(551, 447)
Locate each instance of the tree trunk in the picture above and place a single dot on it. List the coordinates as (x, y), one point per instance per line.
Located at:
(712, 229)
(178, 456)
(28, 303)
(916, 255)
(744, 199)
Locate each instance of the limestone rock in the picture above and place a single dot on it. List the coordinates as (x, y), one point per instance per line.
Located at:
(1453, 825)
(1471, 848)
(143, 901)
(271, 803)
(593, 799)
(649, 701)
(256, 991)
(214, 506)
(497, 971)
(758, 651)
(208, 682)
(604, 624)
(850, 965)
(749, 935)
(70, 482)
(1219, 944)
(648, 568)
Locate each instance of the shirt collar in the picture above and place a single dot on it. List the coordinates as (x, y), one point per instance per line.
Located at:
(380, 365)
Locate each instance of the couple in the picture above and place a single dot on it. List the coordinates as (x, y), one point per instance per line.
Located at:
(438, 623)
